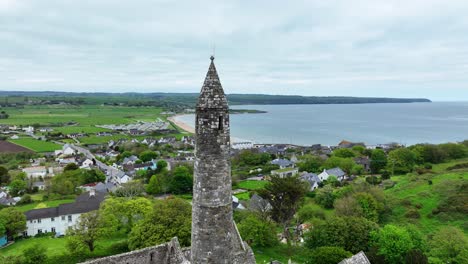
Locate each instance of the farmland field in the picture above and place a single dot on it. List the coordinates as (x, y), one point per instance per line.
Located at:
(36, 145)
(6, 146)
(86, 116)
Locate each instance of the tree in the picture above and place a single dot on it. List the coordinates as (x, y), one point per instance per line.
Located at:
(182, 180)
(155, 185)
(310, 163)
(325, 197)
(17, 187)
(350, 233)
(130, 189)
(450, 245)
(348, 206)
(119, 213)
(14, 221)
(378, 161)
(36, 254)
(161, 165)
(394, 243)
(148, 155)
(4, 176)
(285, 196)
(88, 229)
(454, 151)
(368, 205)
(71, 167)
(344, 153)
(326, 255)
(91, 176)
(257, 232)
(170, 218)
(401, 161)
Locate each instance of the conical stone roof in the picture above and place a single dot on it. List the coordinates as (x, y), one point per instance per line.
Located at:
(212, 93)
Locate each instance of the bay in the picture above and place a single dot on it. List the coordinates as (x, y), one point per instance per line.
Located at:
(328, 124)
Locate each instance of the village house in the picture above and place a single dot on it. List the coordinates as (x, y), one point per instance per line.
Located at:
(14, 137)
(46, 129)
(87, 164)
(76, 135)
(313, 180)
(242, 145)
(258, 204)
(35, 172)
(130, 160)
(66, 161)
(337, 172)
(282, 163)
(364, 161)
(103, 134)
(58, 219)
(66, 150)
(29, 129)
(286, 172)
(40, 185)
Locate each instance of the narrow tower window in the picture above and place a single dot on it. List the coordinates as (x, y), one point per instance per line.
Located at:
(220, 124)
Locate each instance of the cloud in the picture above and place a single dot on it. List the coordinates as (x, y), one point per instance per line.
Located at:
(361, 48)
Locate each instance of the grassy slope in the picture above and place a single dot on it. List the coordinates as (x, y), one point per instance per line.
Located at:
(421, 194)
(252, 185)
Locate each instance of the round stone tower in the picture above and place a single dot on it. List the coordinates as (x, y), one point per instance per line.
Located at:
(212, 236)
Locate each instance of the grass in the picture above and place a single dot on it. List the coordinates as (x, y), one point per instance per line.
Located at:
(415, 193)
(243, 196)
(46, 204)
(57, 251)
(280, 252)
(36, 145)
(252, 185)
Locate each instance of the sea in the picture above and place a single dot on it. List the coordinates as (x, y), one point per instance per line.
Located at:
(328, 124)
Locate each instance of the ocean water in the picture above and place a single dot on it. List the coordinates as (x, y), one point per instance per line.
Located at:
(407, 124)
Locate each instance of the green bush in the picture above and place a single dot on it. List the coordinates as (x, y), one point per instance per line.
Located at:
(326, 255)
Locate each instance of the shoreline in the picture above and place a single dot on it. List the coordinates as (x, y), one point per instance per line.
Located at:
(184, 126)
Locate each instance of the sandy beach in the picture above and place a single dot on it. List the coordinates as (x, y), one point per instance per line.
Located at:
(179, 123)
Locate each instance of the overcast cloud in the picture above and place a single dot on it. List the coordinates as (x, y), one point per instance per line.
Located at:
(412, 48)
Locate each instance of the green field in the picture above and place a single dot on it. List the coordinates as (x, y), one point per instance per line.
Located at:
(252, 185)
(36, 145)
(85, 115)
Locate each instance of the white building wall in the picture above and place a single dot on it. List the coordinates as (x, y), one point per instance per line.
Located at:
(60, 223)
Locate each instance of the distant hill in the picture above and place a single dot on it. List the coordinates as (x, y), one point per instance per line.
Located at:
(189, 99)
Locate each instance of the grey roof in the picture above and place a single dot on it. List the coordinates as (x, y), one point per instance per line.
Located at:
(83, 204)
(212, 93)
(336, 172)
(38, 183)
(7, 201)
(282, 162)
(132, 158)
(311, 178)
(105, 187)
(257, 203)
(359, 258)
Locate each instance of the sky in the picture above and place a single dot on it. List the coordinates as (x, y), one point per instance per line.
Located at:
(388, 48)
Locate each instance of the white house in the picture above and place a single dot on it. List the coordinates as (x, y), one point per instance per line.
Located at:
(59, 219)
(14, 137)
(286, 172)
(28, 129)
(37, 171)
(337, 172)
(66, 150)
(87, 164)
(242, 145)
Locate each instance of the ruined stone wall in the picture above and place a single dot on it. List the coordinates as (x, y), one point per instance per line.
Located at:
(169, 253)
